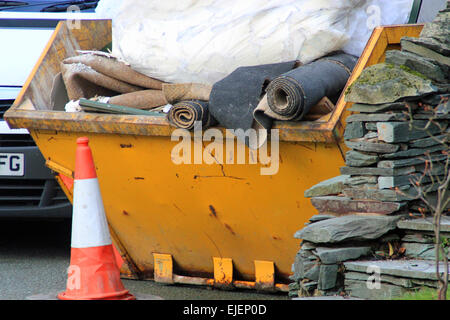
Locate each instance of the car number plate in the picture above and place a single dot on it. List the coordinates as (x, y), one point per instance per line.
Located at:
(12, 164)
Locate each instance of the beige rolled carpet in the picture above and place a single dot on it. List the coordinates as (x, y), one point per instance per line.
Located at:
(116, 69)
(175, 92)
(144, 99)
(263, 108)
(184, 114)
(82, 81)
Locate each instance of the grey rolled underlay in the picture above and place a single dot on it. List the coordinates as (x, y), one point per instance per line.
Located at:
(233, 99)
(291, 95)
(183, 114)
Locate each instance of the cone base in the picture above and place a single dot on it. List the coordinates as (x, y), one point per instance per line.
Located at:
(122, 295)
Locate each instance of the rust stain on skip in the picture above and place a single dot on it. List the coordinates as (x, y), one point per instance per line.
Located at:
(214, 214)
(213, 211)
(229, 229)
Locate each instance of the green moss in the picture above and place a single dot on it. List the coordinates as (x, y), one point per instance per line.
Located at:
(349, 89)
(409, 70)
(422, 294)
(374, 75)
(445, 242)
(393, 80)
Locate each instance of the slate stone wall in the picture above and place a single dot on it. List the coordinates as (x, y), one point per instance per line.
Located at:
(372, 214)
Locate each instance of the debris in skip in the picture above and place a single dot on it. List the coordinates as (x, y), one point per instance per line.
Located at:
(251, 86)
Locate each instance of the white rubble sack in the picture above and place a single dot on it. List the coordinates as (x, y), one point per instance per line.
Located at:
(205, 40)
(73, 106)
(108, 9)
(371, 14)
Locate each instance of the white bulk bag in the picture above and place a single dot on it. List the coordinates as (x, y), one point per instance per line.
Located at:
(205, 40)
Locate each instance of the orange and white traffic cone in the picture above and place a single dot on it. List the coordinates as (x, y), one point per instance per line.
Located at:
(94, 272)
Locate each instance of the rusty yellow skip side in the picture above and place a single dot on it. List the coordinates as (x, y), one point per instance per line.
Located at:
(211, 224)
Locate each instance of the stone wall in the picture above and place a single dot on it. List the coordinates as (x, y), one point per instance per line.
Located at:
(372, 217)
(341, 256)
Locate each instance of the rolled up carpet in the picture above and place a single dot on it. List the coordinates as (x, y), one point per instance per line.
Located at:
(114, 68)
(175, 92)
(291, 95)
(81, 81)
(184, 114)
(144, 99)
(234, 98)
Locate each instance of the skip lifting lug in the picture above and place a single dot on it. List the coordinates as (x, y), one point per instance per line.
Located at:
(223, 275)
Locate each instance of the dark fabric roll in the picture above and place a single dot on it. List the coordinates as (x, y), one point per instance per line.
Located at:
(292, 94)
(184, 113)
(233, 99)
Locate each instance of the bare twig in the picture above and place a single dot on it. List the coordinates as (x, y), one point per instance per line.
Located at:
(441, 201)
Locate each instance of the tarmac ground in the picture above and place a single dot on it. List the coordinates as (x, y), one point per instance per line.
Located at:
(35, 255)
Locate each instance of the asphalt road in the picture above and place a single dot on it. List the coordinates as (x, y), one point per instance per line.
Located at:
(34, 257)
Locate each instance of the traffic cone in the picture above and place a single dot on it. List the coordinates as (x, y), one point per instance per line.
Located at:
(93, 273)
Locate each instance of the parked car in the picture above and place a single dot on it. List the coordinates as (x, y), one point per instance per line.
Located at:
(28, 188)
